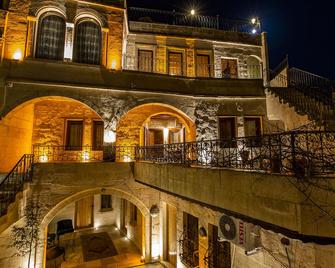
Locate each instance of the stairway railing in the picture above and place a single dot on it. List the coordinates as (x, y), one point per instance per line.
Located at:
(13, 183)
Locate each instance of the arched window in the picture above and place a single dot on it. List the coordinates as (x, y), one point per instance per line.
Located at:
(51, 38)
(88, 42)
(254, 68)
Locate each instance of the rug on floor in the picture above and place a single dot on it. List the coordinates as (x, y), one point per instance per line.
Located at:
(97, 246)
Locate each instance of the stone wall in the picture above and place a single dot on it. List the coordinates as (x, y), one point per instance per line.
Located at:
(50, 118)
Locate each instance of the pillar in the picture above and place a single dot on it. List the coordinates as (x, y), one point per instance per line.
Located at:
(69, 36)
(190, 58)
(29, 49)
(265, 59)
(104, 55)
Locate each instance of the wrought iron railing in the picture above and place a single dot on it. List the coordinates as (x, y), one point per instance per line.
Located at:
(297, 153)
(45, 153)
(14, 181)
(218, 255)
(182, 19)
(189, 250)
(202, 70)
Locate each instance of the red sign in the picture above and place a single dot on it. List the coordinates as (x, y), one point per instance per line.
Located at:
(241, 232)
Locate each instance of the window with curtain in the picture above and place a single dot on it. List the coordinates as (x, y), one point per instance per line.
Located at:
(145, 60)
(88, 43)
(74, 135)
(175, 63)
(203, 67)
(98, 135)
(106, 202)
(51, 38)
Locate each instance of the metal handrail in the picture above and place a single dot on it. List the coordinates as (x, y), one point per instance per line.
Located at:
(13, 183)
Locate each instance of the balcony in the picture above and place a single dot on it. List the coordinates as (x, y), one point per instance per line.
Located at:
(172, 23)
(82, 75)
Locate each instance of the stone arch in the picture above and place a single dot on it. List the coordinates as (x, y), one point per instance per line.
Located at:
(254, 64)
(145, 211)
(17, 128)
(129, 128)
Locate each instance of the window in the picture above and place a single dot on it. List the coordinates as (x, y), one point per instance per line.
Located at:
(175, 63)
(203, 67)
(254, 68)
(4, 4)
(227, 131)
(133, 214)
(106, 202)
(98, 135)
(88, 43)
(252, 129)
(145, 60)
(74, 135)
(229, 68)
(51, 38)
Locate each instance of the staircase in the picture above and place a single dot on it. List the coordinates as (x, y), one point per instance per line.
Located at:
(14, 181)
(309, 94)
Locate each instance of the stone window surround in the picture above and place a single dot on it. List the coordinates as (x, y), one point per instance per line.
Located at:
(148, 47)
(69, 31)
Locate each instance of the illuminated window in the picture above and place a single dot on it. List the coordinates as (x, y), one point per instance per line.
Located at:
(51, 38)
(203, 67)
(175, 63)
(74, 135)
(88, 42)
(145, 60)
(106, 202)
(98, 135)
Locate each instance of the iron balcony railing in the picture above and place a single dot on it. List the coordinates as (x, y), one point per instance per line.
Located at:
(45, 153)
(218, 255)
(201, 70)
(14, 181)
(189, 249)
(297, 153)
(200, 21)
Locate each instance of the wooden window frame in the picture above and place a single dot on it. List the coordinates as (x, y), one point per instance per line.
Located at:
(67, 147)
(110, 208)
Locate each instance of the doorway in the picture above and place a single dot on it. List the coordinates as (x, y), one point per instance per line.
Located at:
(84, 213)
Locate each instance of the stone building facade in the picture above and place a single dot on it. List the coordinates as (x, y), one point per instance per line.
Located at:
(142, 84)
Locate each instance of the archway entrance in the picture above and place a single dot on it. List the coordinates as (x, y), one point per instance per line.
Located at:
(54, 126)
(97, 230)
(154, 123)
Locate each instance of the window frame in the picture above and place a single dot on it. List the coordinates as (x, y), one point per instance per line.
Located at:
(94, 146)
(37, 32)
(237, 65)
(67, 147)
(110, 207)
(138, 59)
(224, 143)
(182, 53)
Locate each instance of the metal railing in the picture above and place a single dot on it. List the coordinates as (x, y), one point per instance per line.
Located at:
(51, 154)
(297, 153)
(14, 181)
(189, 250)
(202, 70)
(218, 255)
(200, 21)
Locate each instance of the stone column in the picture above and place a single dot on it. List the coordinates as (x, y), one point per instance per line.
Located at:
(69, 36)
(161, 57)
(190, 58)
(29, 49)
(104, 48)
(265, 59)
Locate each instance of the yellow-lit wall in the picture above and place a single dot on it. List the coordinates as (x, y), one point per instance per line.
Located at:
(15, 136)
(50, 121)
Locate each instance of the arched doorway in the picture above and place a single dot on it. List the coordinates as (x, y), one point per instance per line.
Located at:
(49, 127)
(254, 68)
(119, 234)
(154, 123)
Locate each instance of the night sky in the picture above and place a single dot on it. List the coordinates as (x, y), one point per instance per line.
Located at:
(305, 30)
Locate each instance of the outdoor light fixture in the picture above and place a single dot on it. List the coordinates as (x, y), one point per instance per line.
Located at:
(86, 156)
(126, 158)
(43, 158)
(17, 55)
(192, 12)
(253, 31)
(154, 211)
(253, 20)
(113, 64)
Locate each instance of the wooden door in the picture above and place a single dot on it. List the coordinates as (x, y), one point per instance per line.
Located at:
(84, 213)
(175, 63)
(145, 61)
(203, 67)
